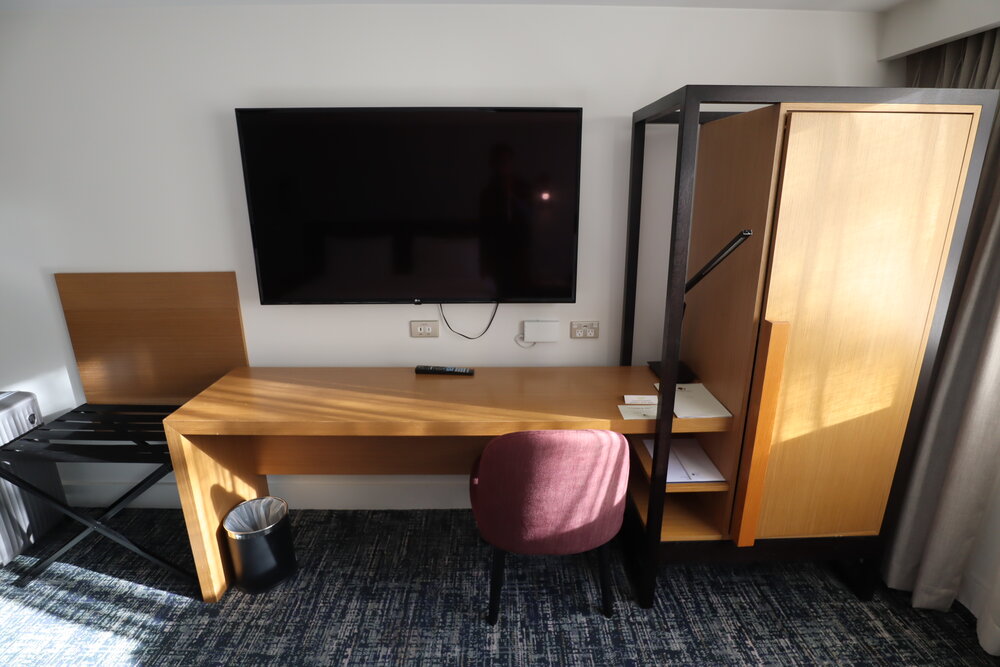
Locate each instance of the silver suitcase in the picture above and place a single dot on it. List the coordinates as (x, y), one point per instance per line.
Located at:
(24, 518)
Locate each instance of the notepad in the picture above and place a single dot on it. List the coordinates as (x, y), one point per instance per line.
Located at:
(637, 411)
(691, 401)
(641, 399)
(688, 462)
(695, 401)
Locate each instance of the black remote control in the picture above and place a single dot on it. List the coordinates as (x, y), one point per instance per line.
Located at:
(443, 370)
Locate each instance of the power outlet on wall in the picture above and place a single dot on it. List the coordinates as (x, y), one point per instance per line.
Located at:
(424, 329)
(584, 329)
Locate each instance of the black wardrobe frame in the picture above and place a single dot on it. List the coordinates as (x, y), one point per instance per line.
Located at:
(683, 108)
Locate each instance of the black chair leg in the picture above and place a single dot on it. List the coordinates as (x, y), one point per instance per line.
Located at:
(604, 572)
(496, 584)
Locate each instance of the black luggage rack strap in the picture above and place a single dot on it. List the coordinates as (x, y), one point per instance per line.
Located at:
(97, 434)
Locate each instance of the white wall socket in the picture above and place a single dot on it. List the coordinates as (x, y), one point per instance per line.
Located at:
(424, 329)
(584, 329)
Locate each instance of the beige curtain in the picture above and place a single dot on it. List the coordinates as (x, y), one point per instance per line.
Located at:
(951, 510)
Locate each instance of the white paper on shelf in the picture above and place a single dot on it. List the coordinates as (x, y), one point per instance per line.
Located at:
(695, 401)
(675, 471)
(656, 386)
(637, 411)
(688, 462)
(640, 399)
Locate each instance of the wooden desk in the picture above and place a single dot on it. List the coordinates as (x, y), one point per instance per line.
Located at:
(259, 421)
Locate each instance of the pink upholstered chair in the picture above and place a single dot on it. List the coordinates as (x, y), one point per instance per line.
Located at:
(550, 492)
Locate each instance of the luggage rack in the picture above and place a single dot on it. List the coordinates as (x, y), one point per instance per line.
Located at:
(94, 433)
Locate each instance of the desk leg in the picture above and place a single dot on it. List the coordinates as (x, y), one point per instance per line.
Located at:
(214, 474)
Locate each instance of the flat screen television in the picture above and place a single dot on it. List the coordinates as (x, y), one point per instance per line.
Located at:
(412, 205)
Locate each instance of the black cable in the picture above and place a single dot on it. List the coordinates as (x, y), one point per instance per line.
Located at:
(496, 306)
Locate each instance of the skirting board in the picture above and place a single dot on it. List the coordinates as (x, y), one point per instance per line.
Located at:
(301, 491)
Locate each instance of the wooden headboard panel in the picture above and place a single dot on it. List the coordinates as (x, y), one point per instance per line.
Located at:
(155, 338)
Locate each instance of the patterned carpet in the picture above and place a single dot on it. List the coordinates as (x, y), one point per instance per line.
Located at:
(409, 588)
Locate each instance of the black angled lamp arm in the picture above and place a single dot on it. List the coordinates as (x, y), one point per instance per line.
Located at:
(715, 261)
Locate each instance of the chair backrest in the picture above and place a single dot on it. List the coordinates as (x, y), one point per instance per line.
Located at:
(152, 338)
(551, 492)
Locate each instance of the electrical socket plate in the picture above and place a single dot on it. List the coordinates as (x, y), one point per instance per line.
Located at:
(584, 329)
(424, 329)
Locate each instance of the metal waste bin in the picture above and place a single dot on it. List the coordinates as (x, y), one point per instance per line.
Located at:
(260, 543)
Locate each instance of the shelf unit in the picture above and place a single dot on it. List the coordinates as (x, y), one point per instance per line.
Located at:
(686, 519)
(700, 424)
(642, 458)
(666, 523)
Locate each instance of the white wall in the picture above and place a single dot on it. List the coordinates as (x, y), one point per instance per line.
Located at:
(916, 25)
(118, 152)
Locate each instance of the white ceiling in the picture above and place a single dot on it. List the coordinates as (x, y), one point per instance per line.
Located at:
(829, 5)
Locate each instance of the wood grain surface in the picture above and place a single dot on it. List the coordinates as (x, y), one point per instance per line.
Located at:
(152, 337)
(866, 212)
(738, 158)
(214, 475)
(398, 402)
(686, 517)
(768, 370)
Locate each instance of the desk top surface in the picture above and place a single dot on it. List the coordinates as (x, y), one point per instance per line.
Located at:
(398, 402)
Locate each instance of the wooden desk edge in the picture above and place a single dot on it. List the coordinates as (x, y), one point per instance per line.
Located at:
(434, 428)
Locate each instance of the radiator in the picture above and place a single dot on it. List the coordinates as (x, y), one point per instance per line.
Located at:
(23, 518)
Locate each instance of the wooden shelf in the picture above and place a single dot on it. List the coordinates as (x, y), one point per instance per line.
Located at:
(678, 426)
(700, 424)
(642, 456)
(685, 518)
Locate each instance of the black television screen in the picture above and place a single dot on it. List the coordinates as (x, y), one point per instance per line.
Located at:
(404, 205)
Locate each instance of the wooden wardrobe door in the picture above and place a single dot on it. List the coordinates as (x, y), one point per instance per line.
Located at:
(737, 160)
(866, 210)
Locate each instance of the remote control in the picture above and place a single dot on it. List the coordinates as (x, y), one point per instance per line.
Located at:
(443, 370)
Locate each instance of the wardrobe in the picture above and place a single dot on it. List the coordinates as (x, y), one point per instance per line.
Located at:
(820, 333)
